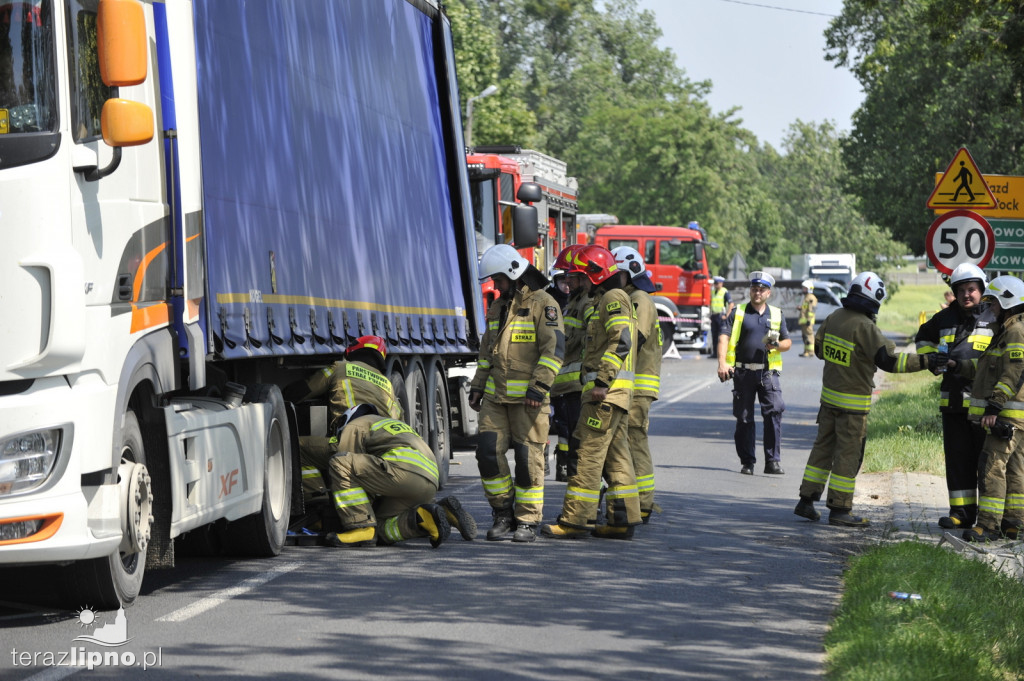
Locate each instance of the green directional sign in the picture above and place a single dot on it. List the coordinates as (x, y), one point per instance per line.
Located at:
(1009, 252)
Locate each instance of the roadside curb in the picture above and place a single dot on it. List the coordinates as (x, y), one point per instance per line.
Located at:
(918, 500)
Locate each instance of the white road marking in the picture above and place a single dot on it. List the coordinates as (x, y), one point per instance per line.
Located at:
(212, 601)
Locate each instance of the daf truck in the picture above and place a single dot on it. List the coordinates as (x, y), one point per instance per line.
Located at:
(202, 201)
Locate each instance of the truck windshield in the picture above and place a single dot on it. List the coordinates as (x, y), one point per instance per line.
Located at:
(681, 254)
(28, 88)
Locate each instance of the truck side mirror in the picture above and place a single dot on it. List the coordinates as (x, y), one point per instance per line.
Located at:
(525, 232)
(529, 192)
(121, 42)
(698, 249)
(126, 123)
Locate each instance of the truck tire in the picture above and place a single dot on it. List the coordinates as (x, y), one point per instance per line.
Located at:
(668, 332)
(113, 582)
(419, 409)
(262, 534)
(440, 423)
(401, 394)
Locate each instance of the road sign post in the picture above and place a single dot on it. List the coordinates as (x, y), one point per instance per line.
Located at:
(960, 236)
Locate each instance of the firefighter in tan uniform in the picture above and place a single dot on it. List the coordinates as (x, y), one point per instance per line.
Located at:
(520, 355)
(997, 402)
(647, 381)
(806, 322)
(383, 479)
(961, 331)
(357, 379)
(565, 394)
(608, 365)
(852, 346)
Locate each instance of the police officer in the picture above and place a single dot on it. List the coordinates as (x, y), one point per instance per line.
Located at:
(520, 355)
(357, 379)
(647, 382)
(997, 403)
(749, 348)
(853, 347)
(608, 361)
(383, 478)
(721, 306)
(806, 322)
(963, 333)
(565, 394)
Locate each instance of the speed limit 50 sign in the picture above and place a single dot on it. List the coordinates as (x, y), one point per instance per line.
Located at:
(957, 237)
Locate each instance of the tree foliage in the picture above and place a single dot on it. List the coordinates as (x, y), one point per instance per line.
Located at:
(937, 75)
(585, 81)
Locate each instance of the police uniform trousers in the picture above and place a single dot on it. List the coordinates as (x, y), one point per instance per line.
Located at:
(763, 384)
(962, 441)
(640, 450)
(1001, 481)
(524, 430)
(716, 331)
(836, 457)
(369, 491)
(567, 414)
(604, 447)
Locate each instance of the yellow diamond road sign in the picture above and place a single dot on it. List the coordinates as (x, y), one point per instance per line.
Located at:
(962, 186)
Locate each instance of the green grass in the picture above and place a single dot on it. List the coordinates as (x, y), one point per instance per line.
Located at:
(904, 426)
(969, 623)
(901, 313)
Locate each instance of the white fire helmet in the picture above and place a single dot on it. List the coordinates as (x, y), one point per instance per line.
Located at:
(1009, 291)
(808, 285)
(869, 285)
(965, 272)
(629, 260)
(502, 259)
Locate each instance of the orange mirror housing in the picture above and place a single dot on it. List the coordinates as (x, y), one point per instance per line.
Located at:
(126, 123)
(121, 42)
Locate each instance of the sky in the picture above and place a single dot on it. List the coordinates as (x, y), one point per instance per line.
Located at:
(765, 56)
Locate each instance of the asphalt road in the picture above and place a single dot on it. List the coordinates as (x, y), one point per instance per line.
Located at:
(725, 583)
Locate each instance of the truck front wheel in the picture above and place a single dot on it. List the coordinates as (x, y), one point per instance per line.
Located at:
(115, 581)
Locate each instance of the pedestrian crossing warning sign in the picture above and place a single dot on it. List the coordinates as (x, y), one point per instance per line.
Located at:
(962, 186)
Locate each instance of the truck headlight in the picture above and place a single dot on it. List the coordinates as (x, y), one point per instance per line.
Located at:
(26, 460)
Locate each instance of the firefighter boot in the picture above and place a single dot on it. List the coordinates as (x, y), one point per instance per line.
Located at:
(805, 509)
(1010, 528)
(524, 533)
(559, 531)
(459, 518)
(363, 536)
(957, 519)
(502, 524)
(843, 518)
(434, 521)
(981, 534)
(613, 532)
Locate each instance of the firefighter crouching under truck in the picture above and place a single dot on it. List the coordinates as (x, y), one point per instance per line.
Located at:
(852, 346)
(382, 479)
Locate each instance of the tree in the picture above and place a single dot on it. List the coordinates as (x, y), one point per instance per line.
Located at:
(932, 83)
(504, 117)
(818, 215)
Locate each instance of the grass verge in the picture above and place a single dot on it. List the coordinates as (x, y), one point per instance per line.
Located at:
(904, 426)
(902, 313)
(969, 623)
